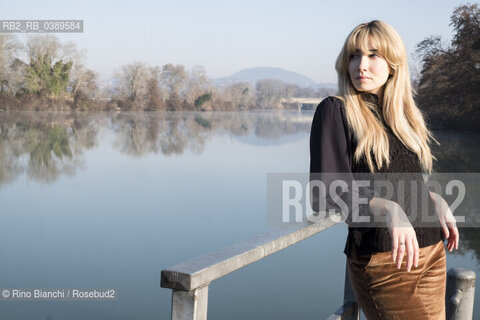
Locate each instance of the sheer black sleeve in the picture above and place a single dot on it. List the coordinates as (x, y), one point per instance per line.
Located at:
(329, 149)
(331, 154)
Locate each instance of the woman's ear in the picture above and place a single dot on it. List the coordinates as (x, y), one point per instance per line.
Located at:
(391, 72)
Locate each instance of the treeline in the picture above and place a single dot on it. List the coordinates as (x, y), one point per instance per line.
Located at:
(172, 87)
(43, 73)
(449, 83)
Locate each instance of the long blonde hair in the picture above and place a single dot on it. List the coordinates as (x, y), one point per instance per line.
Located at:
(398, 107)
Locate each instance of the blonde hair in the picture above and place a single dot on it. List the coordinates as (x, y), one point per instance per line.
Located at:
(398, 107)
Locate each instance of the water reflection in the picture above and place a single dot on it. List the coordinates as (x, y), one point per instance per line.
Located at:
(45, 146)
(140, 134)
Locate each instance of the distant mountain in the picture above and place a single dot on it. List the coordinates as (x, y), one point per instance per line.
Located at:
(252, 75)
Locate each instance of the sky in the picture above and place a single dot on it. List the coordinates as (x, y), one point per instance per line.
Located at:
(303, 36)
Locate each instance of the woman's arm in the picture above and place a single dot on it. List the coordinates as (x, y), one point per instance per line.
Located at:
(447, 220)
(404, 238)
(330, 152)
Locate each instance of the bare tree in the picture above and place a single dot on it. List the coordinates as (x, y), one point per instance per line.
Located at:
(269, 93)
(132, 82)
(198, 84)
(9, 47)
(81, 78)
(86, 81)
(42, 45)
(289, 91)
(240, 95)
(174, 77)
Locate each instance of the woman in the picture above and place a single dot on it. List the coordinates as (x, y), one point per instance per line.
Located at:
(373, 126)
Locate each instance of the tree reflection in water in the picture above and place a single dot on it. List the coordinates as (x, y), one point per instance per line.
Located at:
(45, 145)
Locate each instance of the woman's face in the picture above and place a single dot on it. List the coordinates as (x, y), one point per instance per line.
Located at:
(368, 71)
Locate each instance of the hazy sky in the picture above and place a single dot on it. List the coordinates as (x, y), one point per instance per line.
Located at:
(225, 36)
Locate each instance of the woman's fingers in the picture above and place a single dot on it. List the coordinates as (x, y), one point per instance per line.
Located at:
(405, 245)
(394, 248)
(403, 237)
(401, 253)
(416, 257)
(410, 254)
(457, 238)
(449, 244)
(445, 231)
(444, 227)
(451, 225)
(454, 238)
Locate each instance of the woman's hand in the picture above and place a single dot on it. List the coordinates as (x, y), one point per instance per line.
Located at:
(447, 220)
(404, 238)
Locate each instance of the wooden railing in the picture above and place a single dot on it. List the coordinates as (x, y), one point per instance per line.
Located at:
(190, 280)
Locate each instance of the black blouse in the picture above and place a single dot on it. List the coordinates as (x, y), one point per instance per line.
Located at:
(332, 146)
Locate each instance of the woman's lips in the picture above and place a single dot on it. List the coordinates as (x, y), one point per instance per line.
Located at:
(363, 78)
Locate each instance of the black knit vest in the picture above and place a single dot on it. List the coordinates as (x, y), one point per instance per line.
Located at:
(404, 164)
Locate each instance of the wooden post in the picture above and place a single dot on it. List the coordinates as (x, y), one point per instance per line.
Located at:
(190, 305)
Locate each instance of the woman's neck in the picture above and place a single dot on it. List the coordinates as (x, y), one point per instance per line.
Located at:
(373, 98)
(379, 94)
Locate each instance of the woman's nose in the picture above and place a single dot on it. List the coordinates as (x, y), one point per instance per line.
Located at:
(363, 64)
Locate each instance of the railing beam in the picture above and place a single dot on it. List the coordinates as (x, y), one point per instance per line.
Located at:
(200, 271)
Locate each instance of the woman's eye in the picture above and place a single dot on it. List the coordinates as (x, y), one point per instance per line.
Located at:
(374, 55)
(354, 55)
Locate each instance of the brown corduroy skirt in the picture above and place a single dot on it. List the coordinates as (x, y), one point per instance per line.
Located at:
(385, 292)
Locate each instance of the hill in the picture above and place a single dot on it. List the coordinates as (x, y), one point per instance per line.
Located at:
(252, 75)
